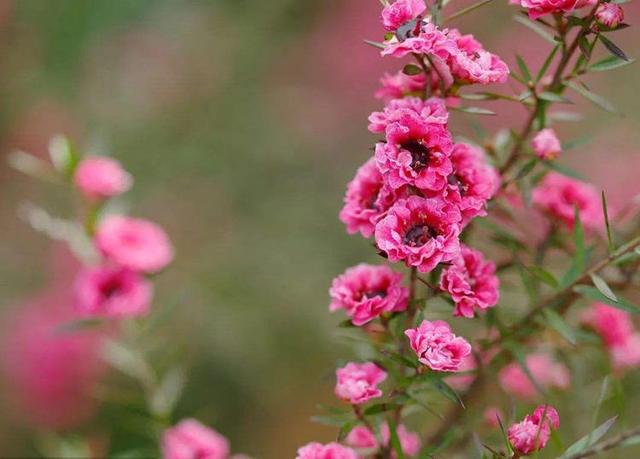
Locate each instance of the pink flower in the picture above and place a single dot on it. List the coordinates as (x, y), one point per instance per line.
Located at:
(491, 416)
(357, 383)
(99, 177)
(112, 292)
(546, 144)
(546, 372)
(461, 381)
(399, 85)
(627, 354)
(558, 195)
(362, 206)
(400, 12)
(472, 183)
(329, 451)
(537, 8)
(366, 291)
(136, 244)
(613, 325)
(362, 438)
(424, 38)
(532, 433)
(470, 63)
(421, 232)
(190, 439)
(416, 152)
(50, 374)
(431, 111)
(437, 347)
(472, 283)
(609, 15)
(409, 441)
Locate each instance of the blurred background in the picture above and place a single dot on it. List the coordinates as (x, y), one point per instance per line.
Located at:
(241, 121)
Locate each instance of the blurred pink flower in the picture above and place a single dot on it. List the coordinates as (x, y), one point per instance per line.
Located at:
(491, 415)
(471, 281)
(137, 244)
(399, 84)
(366, 291)
(546, 145)
(101, 177)
(357, 383)
(545, 371)
(558, 195)
(421, 232)
(400, 12)
(613, 325)
(191, 439)
(532, 433)
(362, 438)
(51, 372)
(461, 381)
(626, 355)
(537, 8)
(610, 15)
(437, 347)
(472, 183)
(316, 450)
(362, 206)
(107, 291)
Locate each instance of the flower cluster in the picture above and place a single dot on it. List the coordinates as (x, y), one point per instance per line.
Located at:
(618, 334)
(129, 248)
(534, 431)
(190, 438)
(357, 383)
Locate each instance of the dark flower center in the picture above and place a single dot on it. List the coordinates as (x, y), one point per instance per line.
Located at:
(456, 181)
(375, 293)
(419, 235)
(110, 287)
(419, 154)
(409, 29)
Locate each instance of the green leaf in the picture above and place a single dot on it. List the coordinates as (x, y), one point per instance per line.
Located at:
(394, 440)
(610, 244)
(613, 48)
(523, 68)
(597, 100)
(553, 97)
(63, 155)
(475, 110)
(594, 294)
(547, 62)
(168, 392)
(375, 44)
(380, 408)
(536, 28)
(603, 287)
(411, 69)
(78, 325)
(579, 257)
(447, 391)
(555, 321)
(585, 47)
(610, 63)
(468, 9)
(589, 440)
(564, 170)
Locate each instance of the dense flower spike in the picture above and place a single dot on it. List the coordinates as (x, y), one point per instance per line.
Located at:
(365, 292)
(190, 439)
(416, 152)
(99, 177)
(400, 12)
(546, 145)
(545, 371)
(533, 432)
(437, 347)
(472, 183)
(136, 244)
(362, 204)
(610, 15)
(112, 292)
(471, 63)
(329, 451)
(357, 383)
(421, 232)
(471, 282)
(559, 195)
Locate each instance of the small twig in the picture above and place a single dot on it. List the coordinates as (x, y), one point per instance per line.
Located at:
(607, 444)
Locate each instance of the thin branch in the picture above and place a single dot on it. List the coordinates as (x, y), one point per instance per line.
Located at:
(607, 444)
